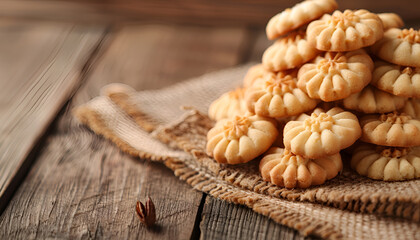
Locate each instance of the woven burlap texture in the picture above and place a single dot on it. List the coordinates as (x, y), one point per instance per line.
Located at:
(141, 122)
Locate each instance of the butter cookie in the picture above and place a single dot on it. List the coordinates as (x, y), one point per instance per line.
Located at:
(289, 52)
(399, 46)
(345, 31)
(228, 105)
(386, 163)
(373, 100)
(240, 139)
(335, 75)
(321, 133)
(392, 129)
(278, 96)
(299, 15)
(395, 79)
(285, 169)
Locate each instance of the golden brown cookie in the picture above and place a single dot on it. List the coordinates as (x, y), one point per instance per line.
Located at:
(336, 76)
(373, 100)
(386, 163)
(345, 31)
(278, 96)
(399, 46)
(228, 105)
(299, 15)
(240, 139)
(289, 52)
(412, 108)
(322, 133)
(285, 169)
(391, 20)
(392, 129)
(398, 80)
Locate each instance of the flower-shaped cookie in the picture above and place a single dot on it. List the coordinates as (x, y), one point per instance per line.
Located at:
(386, 163)
(398, 80)
(345, 31)
(278, 96)
(373, 100)
(255, 73)
(399, 46)
(412, 108)
(240, 139)
(228, 105)
(283, 168)
(392, 129)
(289, 52)
(299, 15)
(322, 133)
(391, 20)
(336, 75)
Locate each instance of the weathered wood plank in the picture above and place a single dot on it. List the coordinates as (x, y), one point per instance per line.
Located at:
(40, 66)
(155, 56)
(219, 13)
(210, 12)
(223, 220)
(81, 185)
(181, 11)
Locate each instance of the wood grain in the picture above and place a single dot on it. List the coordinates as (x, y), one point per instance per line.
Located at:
(155, 56)
(40, 66)
(207, 12)
(82, 186)
(219, 13)
(223, 220)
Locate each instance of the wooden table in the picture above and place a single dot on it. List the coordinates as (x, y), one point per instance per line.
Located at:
(60, 180)
(79, 185)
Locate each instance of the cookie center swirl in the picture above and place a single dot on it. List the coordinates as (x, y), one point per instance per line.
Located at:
(280, 84)
(333, 63)
(395, 152)
(236, 128)
(344, 19)
(395, 118)
(290, 158)
(319, 123)
(410, 35)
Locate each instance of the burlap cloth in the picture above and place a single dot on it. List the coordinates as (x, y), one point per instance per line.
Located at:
(151, 124)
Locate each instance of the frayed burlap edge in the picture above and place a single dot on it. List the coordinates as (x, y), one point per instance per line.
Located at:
(184, 134)
(123, 101)
(204, 181)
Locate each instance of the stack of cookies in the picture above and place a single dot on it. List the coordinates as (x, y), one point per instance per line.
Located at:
(318, 90)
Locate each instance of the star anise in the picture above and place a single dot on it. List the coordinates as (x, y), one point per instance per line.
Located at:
(146, 214)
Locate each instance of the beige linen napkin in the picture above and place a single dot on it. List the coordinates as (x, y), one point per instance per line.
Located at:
(151, 125)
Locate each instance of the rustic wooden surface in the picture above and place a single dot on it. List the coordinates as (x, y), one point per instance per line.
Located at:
(59, 180)
(82, 186)
(40, 67)
(209, 12)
